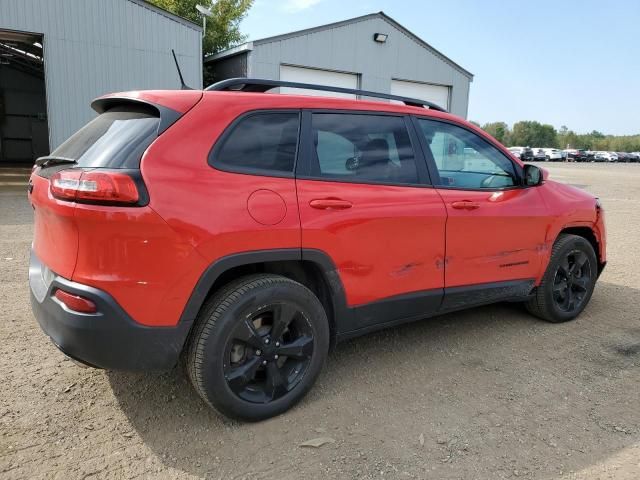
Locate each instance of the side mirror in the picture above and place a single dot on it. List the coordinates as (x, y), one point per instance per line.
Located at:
(533, 175)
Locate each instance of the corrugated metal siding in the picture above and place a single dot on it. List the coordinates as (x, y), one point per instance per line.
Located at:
(231, 67)
(350, 48)
(93, 47)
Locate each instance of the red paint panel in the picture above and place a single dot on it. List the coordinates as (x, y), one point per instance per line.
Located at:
(502, 239)
(133, 254)
(208, 207)
(389, 242)
(55, 236)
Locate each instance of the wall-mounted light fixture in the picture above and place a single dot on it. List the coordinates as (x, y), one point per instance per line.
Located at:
(380, 37)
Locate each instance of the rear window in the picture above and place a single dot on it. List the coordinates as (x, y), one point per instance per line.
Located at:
(116, 138)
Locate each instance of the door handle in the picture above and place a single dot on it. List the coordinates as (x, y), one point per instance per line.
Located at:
(465, 205)
(330, 204)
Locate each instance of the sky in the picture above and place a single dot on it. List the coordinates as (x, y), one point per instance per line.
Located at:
(562, 62)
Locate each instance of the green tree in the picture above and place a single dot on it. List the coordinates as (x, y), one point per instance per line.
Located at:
(498, 130)
(534, 134)
(223, 28)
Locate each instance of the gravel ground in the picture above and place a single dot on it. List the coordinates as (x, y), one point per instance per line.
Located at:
(488, 393)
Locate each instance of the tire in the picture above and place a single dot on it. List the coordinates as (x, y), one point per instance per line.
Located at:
(234, 363)
(552, 300)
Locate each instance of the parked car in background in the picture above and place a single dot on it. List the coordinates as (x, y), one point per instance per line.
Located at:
(623, 157)
(523, 153)
(600, 157)
(538, 154)
(635, 156)
(516, 151)
(610, 156)
(574, 155)
(552, 154)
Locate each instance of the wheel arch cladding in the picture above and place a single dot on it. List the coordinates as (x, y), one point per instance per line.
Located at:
(588, 234)
(312, 268)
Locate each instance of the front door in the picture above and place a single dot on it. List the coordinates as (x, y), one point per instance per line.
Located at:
(495, 227)
(365, 201)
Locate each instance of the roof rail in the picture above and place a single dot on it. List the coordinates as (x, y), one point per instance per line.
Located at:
(260, 85)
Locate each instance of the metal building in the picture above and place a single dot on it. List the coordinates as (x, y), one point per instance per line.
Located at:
(372, 52)
(56, 56)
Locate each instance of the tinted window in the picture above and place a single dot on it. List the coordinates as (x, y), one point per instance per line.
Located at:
(362, 148)
(114, 139)
(263, 141)
(464, 159)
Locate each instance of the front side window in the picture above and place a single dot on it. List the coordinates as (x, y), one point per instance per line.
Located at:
(362, 148)
(464, 160)
(264, 142)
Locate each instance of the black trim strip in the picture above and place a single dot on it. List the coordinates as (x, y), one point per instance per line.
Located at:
(425, 304)
(457, 298)
(405, 306)
(261, 85)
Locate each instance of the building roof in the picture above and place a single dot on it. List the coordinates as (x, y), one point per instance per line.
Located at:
(249, 45)
(168, 14)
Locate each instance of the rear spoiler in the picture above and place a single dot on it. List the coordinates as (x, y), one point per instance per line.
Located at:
(167, 115)
(170, 105)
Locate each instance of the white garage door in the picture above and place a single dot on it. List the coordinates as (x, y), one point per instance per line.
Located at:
(422, 91)
(319, 77)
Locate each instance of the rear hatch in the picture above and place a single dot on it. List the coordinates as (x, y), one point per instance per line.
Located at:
(99, 165)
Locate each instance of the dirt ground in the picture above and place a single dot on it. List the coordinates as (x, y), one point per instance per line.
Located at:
(489, 393)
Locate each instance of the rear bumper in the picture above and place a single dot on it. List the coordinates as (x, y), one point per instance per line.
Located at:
(107, 339)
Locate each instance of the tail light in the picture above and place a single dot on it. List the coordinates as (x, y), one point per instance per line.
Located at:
(95, 186)
(76, 302)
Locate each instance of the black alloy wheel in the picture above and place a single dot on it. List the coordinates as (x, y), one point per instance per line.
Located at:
(568, 282)
(257, 347)
(269, 353)
(573, 278)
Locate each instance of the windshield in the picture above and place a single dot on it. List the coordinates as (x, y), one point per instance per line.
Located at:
(115, 139)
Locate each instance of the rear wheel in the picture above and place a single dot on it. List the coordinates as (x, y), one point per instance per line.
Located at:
(258, 347)
(569, 281)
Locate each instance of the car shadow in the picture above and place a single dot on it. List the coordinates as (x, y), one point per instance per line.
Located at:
(491, 390)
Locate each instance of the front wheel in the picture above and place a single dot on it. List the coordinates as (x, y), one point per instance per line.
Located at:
(258, 346)
(568, 282)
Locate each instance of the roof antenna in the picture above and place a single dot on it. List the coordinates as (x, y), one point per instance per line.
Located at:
(183, 86)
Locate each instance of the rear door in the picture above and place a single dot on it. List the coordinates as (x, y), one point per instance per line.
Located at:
(496, 228)
(365, 201)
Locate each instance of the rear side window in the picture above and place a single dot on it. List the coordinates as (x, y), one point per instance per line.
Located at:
(261, 143)
(116, 138)
(362, 148)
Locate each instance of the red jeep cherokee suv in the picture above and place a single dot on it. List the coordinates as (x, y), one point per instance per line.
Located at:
(247, 232)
